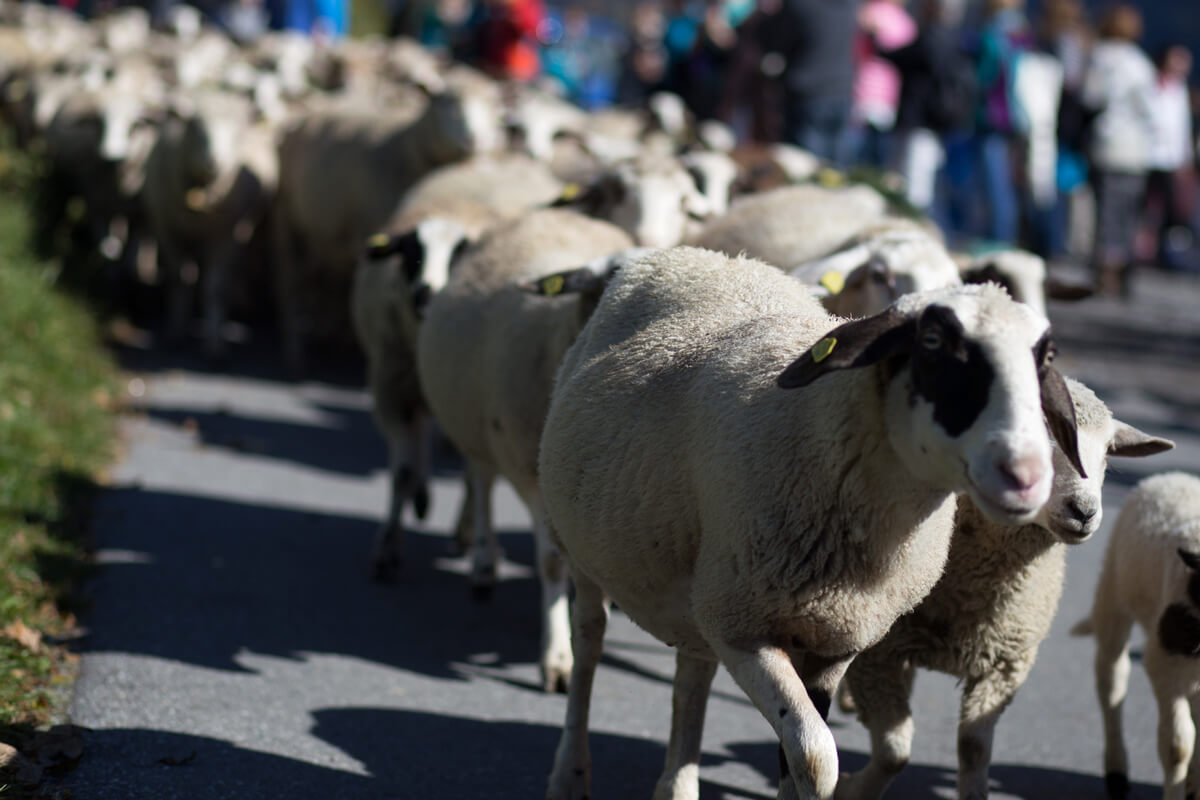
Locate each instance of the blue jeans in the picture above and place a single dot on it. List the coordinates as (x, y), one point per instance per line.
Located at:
(820, 125)
(994, 157)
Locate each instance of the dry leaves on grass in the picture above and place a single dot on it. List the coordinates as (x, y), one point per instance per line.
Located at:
(24, 635)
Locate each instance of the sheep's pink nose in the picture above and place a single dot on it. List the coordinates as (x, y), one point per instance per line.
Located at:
(1021, 474)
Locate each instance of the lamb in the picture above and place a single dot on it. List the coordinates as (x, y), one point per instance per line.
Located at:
(987, 615)
(486, 357)
(209, 181)
(792, 224)
(866, 274)
(1151, 576)
(342, 176)
(778, 532)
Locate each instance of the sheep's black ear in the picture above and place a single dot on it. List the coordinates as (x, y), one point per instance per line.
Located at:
(988, 273)
(859, 343)
(1128, 441)
(1190, 560)
(1060, 416)
(382, 245)
(595, 199)
(573, 281)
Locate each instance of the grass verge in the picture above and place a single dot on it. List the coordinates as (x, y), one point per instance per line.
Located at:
(57, 385)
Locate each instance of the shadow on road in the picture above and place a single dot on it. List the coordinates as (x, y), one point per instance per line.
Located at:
(199, 579)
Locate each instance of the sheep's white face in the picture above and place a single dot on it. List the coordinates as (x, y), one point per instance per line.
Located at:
(211, 146)
(468, 122)
(714, 175)
(657, 208)
(967, 411)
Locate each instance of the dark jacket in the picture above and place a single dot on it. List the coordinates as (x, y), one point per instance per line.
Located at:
(817, 38)
(936, 51)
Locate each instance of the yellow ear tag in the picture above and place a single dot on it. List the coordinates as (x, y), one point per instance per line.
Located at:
(552, 285)
(378, 240)
(830, 178)
(570, 192)
(195, 199)
(834, 281)
(822, 349)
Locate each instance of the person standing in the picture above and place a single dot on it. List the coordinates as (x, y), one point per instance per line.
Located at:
(1120, 87)
(1171, 182)
(884, 25)
(937, 97)
(1000, 120)
(819, 77)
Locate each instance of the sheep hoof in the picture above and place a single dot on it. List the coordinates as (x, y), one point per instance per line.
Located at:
(481, 593)
(555, 679)
(1117, 784)
(421, 502)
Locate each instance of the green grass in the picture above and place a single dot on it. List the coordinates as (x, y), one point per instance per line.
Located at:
(57, 385)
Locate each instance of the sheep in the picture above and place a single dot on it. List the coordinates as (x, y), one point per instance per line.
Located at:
(486, 358)
(985, 618)
(507, 184)
(342, 175)
(209, 181)
(652, 198)
(892, 257)
(395, 278)
(778, 532)
(1150, 576)
(1023, 275)
(792, 224)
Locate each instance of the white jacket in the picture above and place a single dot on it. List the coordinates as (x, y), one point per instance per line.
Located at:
(1120, 83)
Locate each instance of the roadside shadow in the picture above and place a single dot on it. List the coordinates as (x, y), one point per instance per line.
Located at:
(927, 781)
(199, 580)
(141, 764)
(443, 755)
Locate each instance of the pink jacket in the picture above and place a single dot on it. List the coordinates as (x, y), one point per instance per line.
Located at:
(877, 84)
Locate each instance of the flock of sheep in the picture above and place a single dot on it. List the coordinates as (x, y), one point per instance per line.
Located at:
(765, 412)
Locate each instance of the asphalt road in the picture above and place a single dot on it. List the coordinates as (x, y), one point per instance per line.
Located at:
(237, 649)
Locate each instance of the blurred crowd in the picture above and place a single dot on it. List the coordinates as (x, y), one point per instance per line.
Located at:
(1054, 130)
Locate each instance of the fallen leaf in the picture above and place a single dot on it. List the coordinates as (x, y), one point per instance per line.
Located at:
(26, 636)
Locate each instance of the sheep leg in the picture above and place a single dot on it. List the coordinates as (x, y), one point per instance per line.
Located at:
(215, 290)
(689, 700)
(556, 659)
(769, 679)
(287, 266)
(485, 554)
(1112, 628)
(571, 777)
(984, 700)
(1176, 731)
(1193, 779)
(465, 527)
(181, 276)
(387, 556)
(881, 684)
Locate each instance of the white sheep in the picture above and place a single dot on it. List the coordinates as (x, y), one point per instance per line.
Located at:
(209, 181)
(487, 355)
(652, 198)
(1151, 576)
(866, 274)
(792, 224)
(341, 178)
(1023, 275)
(985, 618)
(778, 532)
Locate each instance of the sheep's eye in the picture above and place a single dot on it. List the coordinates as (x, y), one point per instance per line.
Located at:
(931, 340)
(1051, 352)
